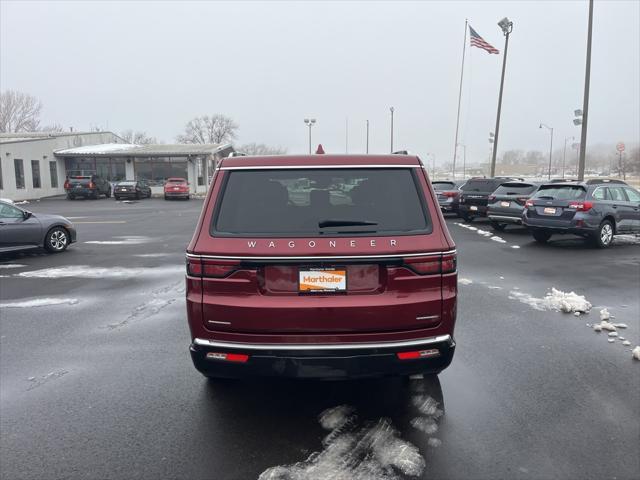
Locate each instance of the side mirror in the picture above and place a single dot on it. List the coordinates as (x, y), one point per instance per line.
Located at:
(27, 215)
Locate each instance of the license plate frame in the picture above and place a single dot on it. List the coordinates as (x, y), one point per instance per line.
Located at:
(322, 280)
(473, 208)
(505, 204)
(549, 210)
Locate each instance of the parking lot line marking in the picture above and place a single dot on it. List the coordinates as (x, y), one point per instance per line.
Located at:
(105, 221)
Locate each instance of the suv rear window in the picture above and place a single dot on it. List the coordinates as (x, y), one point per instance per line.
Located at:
(311, 202)
(561, 192)
(481, 185)
(514, 189)
(439, 186)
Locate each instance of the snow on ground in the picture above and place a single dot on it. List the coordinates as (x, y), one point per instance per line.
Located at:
(371, 451)
(635, 353)
(11, 265)
(152, 255)
(495, 238)
(465, 281)
(626, 240)
(554, 300)
(87, 271)
(40, 302)
(515, 246)
(134, 240)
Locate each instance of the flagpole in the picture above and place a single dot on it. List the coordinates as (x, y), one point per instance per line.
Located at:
(455, 146)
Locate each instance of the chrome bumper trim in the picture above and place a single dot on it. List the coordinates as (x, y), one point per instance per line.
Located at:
(509, 219)
(322, 257)
(324, 346)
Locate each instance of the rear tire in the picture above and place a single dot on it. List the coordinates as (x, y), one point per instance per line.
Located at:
(541, 236)
(499, 227)
(56, 240)
(166, 198)
(71, 197)
(604, 236)
(467, 218)
(108, 194)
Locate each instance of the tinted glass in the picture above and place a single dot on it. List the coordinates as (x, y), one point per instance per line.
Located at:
(599, 194)
(440, 186)
(633, 195)
(561, 192)
(130, 184)
(515, 189)
(617, 194)
(296, 202)
(481, 185)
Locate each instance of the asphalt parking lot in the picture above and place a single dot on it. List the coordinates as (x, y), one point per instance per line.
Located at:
(97, 382)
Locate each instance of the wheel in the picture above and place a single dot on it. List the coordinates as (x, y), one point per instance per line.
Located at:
(138, 196)
(116, 197)
(541, 236)
(188, 197)
(108, 194)
(604, 236)
(467, 218)
(57, 240)
(71, 197)
(499, 227)
(166, 198)
(94, 196)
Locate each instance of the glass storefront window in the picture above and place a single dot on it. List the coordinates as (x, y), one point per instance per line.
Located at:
(157, 170)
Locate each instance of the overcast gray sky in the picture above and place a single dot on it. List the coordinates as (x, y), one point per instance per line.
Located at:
(154, 65)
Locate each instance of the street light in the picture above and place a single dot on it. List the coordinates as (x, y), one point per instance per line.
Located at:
(464, 161)
(310, 122)
(507, 27)
(564, 154)
(551, 145)
(391, 109)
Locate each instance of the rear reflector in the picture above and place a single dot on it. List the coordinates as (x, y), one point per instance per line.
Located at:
(434, 352)
(581, 206)
(228, 357)
(197, 267)
(449, 194)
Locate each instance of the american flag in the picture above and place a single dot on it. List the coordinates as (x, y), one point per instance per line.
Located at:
(478, 41)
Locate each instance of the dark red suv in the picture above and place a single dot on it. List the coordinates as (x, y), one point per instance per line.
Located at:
(321, 266)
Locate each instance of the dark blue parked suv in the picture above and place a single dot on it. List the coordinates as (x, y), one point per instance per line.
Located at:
(595, 209)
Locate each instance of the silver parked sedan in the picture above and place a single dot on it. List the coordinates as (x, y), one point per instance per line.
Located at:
(21, 230)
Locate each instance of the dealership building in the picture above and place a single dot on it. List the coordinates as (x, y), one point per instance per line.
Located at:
(35, 165)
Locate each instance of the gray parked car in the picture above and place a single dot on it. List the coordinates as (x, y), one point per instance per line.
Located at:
(506, 204)
(21, 230)
(595, 209)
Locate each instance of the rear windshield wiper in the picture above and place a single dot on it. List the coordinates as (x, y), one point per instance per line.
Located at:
(344, 223)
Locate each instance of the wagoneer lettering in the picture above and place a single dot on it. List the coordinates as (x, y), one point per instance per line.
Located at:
(321, 267)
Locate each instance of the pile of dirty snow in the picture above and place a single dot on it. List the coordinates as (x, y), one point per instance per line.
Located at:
(555, 300)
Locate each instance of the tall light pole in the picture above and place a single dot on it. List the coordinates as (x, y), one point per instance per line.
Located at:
(310, 122)
(391, 109)
(585, 101)
(564, 154)
(550, 146)
(464, 160)
(507, 27)
(367, 136)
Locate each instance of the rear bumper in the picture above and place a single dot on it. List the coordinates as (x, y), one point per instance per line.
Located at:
(577, 226)
(82, 192)
(480, 210)
(496, 217)
(176, 194)
(127, 194)
(328, 361)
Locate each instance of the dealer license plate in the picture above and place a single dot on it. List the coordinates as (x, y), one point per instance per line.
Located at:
(322, 280)
(473, 207)
(549, 210)
(505, 204)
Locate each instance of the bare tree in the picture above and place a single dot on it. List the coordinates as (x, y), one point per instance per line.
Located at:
(19, 112)
(260, 149)
(216, 128)
(53, 128)
(139, 138)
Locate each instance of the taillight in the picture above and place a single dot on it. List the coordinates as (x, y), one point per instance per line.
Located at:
(522, 200)
(432, 265)
(228, 357)
(581, 206)
(528, 203)
(67, 184)
(449, 194)
(92, 185)
(491, 198)
(197, 267)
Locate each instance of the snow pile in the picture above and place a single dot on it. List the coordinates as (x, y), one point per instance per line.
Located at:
(369, 452)
(626, 240)
(465, 281)
(23, 202)
(515, 246)
(635, 353)
(484, 233)
(604, 314)
(626, 343)
(555, 300)
(133, 240)
(40, 302)
(498, 239)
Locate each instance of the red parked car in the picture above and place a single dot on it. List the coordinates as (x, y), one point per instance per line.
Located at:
(321, 266)
(176, 188)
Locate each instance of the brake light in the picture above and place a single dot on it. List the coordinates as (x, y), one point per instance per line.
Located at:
(92, 185)
(432, 265)
(581, 206)
(522, 200)
(197, 267)
(449, 194)
(67, 184)
(434, 352)
(528, 203)
(228, 357)
(491, 198)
